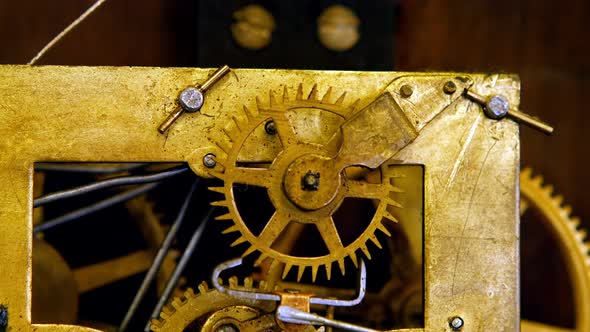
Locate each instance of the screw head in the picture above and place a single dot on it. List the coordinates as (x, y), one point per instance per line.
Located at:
(456, 323)
(209, 160)
(406, 91)
(227, 328)
(310, 181)
(270, 127)
(191, 99)
(497, 107)
(449, 87)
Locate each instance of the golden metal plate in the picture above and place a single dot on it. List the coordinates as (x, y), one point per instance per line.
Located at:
(471, 164)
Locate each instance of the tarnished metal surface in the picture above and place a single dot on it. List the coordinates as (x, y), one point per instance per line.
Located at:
(112, 114)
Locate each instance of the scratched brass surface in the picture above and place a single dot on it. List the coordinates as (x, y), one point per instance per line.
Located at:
(111, 114)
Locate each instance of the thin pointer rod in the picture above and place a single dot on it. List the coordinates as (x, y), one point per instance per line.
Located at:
(188, 252)
(159, 259)
(65, 31)
(120, 181)
(88, 168)
(124, 196)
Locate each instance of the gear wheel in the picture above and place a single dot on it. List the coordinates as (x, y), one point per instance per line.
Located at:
(571, 241)
(302, 181)
(187, 311)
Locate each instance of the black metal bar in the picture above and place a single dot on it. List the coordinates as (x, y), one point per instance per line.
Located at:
(188, 252)
(90, 168)
(120, 181)
(124, 196)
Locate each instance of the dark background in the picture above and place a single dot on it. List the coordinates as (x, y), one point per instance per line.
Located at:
(545, 42)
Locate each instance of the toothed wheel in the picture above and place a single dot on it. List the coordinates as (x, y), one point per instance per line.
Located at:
(535, 194)
(303, 183)
(202, 310)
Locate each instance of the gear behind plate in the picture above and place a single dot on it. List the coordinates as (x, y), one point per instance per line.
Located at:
(302, 182)
(571, 239)
(190, 311)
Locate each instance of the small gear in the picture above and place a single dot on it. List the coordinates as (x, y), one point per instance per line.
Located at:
(571, 239)
(303, 183)
(192, 308)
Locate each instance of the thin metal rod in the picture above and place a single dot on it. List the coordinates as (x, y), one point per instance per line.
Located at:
(91, 168)
(65, 31)
(120, 181)
(124, 196)
(159, 259)
(188, 252)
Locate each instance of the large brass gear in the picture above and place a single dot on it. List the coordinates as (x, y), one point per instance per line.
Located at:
(202, 310)
(304, 151)
(571, 241)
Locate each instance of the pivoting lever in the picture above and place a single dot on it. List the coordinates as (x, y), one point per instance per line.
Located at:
(192, 98)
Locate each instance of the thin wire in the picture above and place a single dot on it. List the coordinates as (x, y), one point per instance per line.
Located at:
(65, 31)
(119, 181)
(159, 259)
(91, 168)
(70, 216)
(188, 252)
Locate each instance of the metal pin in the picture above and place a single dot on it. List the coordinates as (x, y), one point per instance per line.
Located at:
(497, 107)
(192, 98)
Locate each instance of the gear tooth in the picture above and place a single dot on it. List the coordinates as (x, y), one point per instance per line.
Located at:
(248, 282)
(537, 180)
(340, 99)
(224, 147)
(258, 103)
(220, 280)
(366, 251)
(260, 259)
(575, 222)
(231, 135)
(156, 325)
(354, 259)
(374, 239)
(231, 229)
(236, 123)
(383, 229)
(248, 251)
(220, 190)
(233, 282)
(299, 95)
(354, 105)
(548, 189)
(313, 94)
(300, 270)
(226, 216)
(392, 202)
(285, 94)
(314, 272)
(262, 284)
(271, 97)
(328, 267)
(581, 235)
(189, 293)
(239, 240)
(203, 287)
(341, 266)
(327, 96)
(567, 210)
(223, 203)
(389, 216)
(177, 303)
(286, 270)
(395, 189)
(167, 311)
(526, 173)
(558, 200)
